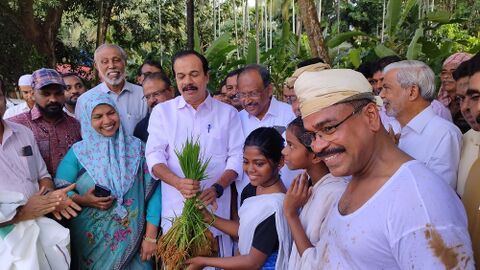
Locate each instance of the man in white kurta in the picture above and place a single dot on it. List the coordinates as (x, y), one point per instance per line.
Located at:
(262, 109)
(217, 126)
(425, 136)
(395, 213)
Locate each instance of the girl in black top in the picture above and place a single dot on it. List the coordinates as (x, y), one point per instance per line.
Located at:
(261, 215)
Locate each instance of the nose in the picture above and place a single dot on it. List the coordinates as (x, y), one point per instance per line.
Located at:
(319, 144)
(285, 151)
(464, 104)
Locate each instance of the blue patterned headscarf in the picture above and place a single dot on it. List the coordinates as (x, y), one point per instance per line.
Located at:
(112, 162)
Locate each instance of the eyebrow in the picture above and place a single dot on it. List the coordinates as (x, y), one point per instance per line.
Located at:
(472, 91)
(320, 124)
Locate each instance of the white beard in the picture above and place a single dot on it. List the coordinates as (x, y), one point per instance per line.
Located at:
(107, 80)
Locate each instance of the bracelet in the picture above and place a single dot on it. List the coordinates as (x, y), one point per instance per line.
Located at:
(151, 240)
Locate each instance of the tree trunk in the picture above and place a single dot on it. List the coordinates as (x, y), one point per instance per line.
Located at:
(190, 25)
(309, 16)
(42, 34)
(104, 14)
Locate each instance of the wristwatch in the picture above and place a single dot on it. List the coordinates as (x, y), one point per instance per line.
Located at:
(218, 189)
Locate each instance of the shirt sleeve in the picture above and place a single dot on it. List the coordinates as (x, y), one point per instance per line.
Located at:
(434, 248)
(67, 171)
(235, 144)
(154, 206)
(265, 237)
(157, 143)
(446, 158)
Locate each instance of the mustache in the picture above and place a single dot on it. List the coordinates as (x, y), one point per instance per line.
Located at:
(330, 151)
(251, 104)
(189, 87)
(55, 104)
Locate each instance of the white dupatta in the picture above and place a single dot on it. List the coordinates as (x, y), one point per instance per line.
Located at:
(256, 209)
(35, 244)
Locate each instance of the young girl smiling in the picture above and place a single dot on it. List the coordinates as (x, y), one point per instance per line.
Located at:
(313, 191)
(264, 237)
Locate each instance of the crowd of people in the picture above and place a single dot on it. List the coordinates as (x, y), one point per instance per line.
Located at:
(367, 169)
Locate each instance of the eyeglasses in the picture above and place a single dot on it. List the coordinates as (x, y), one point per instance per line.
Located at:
(155, 94)
(325, 133)
(254, 94)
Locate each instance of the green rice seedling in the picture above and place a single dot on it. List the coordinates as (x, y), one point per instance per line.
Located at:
(189, 235)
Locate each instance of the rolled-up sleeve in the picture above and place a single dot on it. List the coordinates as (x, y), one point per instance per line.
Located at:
(235, 144)
(157, 143)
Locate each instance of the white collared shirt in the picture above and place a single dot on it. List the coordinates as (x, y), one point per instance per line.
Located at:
(131, 106)
(21, 164)
(434, 141)
(279, 115)
(218, 129)
(69, 113)
(470, 153)
(16, 110)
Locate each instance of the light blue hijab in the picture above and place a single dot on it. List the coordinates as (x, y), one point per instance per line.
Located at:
(112, 162)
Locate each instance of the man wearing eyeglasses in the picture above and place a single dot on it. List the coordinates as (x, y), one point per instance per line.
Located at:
(156, 89)
(408, 89)
(391, 215)
(262, 109)
(148, 67)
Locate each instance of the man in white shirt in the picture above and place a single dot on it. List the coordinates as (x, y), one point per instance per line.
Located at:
(25, 87)
(262, 109)
(110, 61)
(390, 215)
(408, 87)
(219, 131)
(25, 197)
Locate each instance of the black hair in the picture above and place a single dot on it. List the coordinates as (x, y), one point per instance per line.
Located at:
(366, 69)
(298, 129)
(235, 72)
(463, 70)
(268, 141)
(222, 84)
(70, 74)
(2, 86)
(184, 53)
(310, 61)
(261, 70)
(474, 64)
(150, 62)
(381, 63)
(158, 76)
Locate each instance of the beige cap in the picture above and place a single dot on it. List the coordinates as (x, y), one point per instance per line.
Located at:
(313, 67)
(321, 89)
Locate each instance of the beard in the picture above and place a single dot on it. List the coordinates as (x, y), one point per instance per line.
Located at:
(71, 101)
(117, 81)
(53, 110)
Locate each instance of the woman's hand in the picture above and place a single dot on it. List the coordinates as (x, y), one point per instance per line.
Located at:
(67, 208)
(90, 200)
(297, 195)
(148, 250)
(195, 263)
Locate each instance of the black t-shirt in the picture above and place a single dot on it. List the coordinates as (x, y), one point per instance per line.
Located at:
(265, 237)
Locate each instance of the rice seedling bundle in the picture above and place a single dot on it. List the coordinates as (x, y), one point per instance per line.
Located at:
(189, 235)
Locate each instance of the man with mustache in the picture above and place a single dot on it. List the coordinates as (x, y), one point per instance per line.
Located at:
(54, 131)
(470, 163)
(408, 89)
(110, 61)
(262, 109)
(395, 213)
(75, 88)
(216, 126)
(148, 67)
(156, 89)
(446, 94)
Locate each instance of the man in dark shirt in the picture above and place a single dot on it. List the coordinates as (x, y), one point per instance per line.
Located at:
(156, 89)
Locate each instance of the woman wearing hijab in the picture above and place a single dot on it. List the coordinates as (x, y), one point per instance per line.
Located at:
(115, 190)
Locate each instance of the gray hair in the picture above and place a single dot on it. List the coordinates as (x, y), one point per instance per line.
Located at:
(413, 72)
(114, 46)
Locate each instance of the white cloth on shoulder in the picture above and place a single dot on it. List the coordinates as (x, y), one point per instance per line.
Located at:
(324, 194)
(39, 243)
(256, 209)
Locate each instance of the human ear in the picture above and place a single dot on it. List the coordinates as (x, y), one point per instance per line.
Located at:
(413, 92)
(371, 113)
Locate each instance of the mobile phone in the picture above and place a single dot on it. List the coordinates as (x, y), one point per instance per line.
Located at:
(101, 191)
